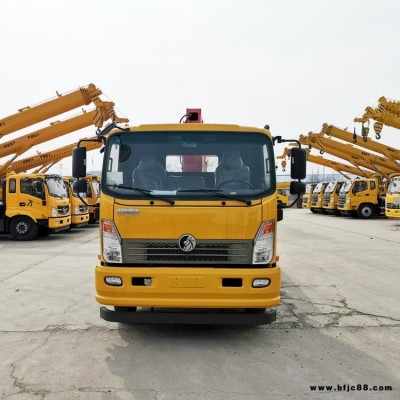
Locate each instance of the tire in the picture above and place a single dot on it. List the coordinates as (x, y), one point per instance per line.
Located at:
(125, 309)
(365, 211)
(313, 210)
(23, 228)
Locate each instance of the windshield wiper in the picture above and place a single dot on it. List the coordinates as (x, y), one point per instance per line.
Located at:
(217, 192)
(143, 191)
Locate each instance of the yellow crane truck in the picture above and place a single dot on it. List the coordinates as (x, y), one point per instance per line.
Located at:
(331, 197)
(283, 189)
(317, 198)
(32, 205)
(79, 210)
(392, 207)
(362, 197)
(307, 196)
(93, 197)
(188, 222)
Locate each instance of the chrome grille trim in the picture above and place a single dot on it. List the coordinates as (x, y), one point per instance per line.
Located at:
(63, 210)
(206, 252)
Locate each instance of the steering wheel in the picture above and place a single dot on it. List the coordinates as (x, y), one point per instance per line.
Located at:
(236, 180)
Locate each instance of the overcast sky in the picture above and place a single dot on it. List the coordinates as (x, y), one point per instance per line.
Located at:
(291, 64)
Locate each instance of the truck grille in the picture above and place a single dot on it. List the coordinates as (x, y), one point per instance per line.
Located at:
(168, 251)
(63, 210)
(83, 209)
(342, 200)
(392, 206)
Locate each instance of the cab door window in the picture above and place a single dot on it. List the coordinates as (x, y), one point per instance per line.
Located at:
(33, 187)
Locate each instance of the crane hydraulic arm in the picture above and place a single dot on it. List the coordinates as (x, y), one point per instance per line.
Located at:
(62, 103)
(44, 159)
(97, 117)
(348, 152)
(336, 166)
(389, 152)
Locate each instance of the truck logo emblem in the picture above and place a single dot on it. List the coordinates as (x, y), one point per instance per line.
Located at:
(187, 243)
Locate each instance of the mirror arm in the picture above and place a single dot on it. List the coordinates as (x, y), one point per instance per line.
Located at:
(99, 139)
(280, 140)
(82, 199)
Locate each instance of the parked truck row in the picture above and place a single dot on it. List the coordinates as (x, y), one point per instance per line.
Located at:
(33, 205)
(33, 202)
(361, 197)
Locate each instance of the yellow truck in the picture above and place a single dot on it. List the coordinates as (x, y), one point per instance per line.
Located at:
(363, 198)
(283, 189)
(79, 210)
(331, 197)
(188, 223)
(32, 205)
(317, 198)
(93, 197)
(392, 207)
(307, 196)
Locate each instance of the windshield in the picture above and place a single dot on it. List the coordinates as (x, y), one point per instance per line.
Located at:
(346, 187)
(319, 187)
(188, 165)
(394, 187)
(56, 186)
(309, 189)
(331, 187)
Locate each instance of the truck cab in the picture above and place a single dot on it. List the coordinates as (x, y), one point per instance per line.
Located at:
(331, 197)
(188, 221)
(93, 197)
(283, 193)
(307, 196)
(392, 208)
(33, 204)
(317, 199)
(79, 210)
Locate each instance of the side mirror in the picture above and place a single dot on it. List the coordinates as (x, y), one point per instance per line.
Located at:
(79, 186)
(298, 157)
(297, 187)
(79, 162)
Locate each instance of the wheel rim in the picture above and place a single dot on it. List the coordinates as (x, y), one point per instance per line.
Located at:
(22, 228)
(366, 212)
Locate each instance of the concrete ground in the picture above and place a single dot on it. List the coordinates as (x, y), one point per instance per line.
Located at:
(338, 324)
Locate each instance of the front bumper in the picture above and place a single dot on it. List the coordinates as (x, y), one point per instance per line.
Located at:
(390, 213)
(60, 222)
(80, 220)
(188, 287)
(219, 318)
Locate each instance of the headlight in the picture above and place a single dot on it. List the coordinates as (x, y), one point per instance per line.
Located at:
(263, 250)
(332, 199)
(76, 210)
(54, 213)
(112, 251)
(348, 200)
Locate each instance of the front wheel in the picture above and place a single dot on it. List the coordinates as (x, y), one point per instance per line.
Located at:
(23, 228)
(365, 211)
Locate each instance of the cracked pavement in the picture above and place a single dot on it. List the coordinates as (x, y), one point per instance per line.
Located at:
(339, 323)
